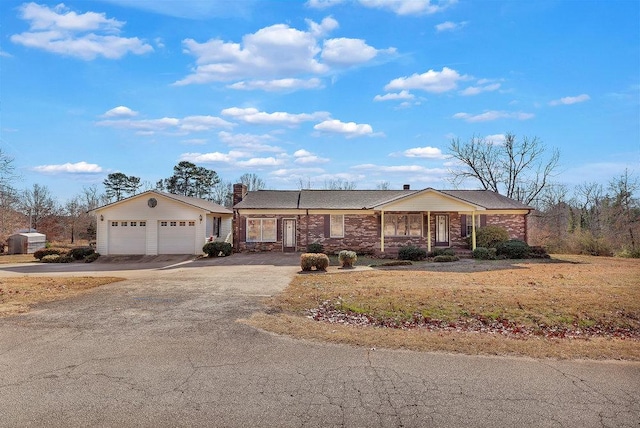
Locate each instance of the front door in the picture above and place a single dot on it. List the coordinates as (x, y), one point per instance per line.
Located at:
(442, 230)
(289, 235)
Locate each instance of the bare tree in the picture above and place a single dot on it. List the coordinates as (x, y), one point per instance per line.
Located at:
(339, 184)
(517, 169)
(222, 193)
(304, 183)
(38, 204)
(624, 210)
(383, 185)
(252, 181)
(9, 218)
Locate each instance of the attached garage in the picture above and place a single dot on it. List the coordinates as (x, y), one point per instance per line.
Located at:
(153, 223)
(127, 237)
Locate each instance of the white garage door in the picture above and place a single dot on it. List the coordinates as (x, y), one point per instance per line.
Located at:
(127, 237)
(176, 237)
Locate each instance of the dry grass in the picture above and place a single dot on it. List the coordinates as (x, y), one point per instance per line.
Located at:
(580, 293)
(18, 294)
(16, 258)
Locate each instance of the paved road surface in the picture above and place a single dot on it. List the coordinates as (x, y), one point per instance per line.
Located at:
(164, 349)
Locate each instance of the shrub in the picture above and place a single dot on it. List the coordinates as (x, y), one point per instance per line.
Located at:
(538, 252)
(91, 257)
(446, 258)
(80, 253)
(310, 260)
(315, 247)
(217, 249)
(412, 253)
(627, 253)
(39, 254)
(491, 236)
(513, 249)
(347, 258)
(441, 252)
(483, 253)
(56, 258)
(591, 245)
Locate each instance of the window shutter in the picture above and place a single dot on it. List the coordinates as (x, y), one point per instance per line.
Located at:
(463, 225)
(483, 220)
(279, 229)
(327, 226)
(242, 225)
(219, 225)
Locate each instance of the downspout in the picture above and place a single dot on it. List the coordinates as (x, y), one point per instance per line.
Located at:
(429, 231)
(382, 231)
(526, 227)
(307, 237)
(473, 230)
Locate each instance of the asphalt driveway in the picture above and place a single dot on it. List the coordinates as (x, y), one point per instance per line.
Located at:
(164, 348)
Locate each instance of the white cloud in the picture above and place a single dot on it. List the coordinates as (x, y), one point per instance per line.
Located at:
(350, 129)
(195, 141)
(294, 174)
(402, 95)
(256, 117)
(120, 112)
(185, 125)
(570, 100)
(424, 152)
(323, 4)
(255, 143)
(346, 52)
(409, 7)
(278, 85)
(70, 168)
(497, 139)
(392, 169)
(431, 81)
(213, 157)
(450, 26)
(327, 25)
(493, 115)
(305, 157)
(85, 36)
(475, 90)
(261, 162)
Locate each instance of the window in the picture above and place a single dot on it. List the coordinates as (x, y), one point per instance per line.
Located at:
(261, 229)
(134, 223)
(466, 221)
(403, 225)
(337, 226)
(163, 223)
(143, 224)
(123, 223)
(173, 223)
(183, 223)
(192, 223)
(114, 223)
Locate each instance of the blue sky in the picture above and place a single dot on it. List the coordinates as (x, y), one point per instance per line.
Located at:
(365, 91)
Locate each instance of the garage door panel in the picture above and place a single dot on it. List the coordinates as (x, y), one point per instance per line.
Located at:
(176, 237)
(127, 237)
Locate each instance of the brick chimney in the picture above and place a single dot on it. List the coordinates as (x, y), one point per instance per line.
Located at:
(406, 187)
(239, 192)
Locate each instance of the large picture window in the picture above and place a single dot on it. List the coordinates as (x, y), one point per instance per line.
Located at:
(403, 225)
(261, 230)
(337, 226)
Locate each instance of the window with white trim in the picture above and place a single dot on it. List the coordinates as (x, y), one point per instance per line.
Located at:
(261, 230)
(403, 225)
(336, 228)
(183, 223)
(469, 223)
(163, 223)
(143, 223)
(192, 223)
(114, 223)
(173, 223)
(134, 223)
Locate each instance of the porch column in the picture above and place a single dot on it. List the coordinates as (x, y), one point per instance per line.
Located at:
(473, 230)
(429, 231)
(382, 231)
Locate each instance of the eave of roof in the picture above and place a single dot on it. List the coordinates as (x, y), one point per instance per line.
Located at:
(202, 204)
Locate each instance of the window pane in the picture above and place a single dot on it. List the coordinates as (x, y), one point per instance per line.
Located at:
(415, 225)
(269, 230)
(402, 226)
(253, 230)
(337, 226)
(390, 221)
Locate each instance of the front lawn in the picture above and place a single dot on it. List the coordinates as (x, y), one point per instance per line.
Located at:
(569, 307)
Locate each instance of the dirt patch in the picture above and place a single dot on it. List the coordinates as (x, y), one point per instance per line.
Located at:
(19, 294)
(572, 307)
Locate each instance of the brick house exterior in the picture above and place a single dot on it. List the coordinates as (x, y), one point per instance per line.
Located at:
(370, 221)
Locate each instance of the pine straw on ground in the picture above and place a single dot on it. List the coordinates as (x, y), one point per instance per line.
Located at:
(18, 294)
(570, 307)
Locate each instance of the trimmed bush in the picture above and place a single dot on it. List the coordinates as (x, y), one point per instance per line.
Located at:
(445, 258)
(39, 254)
(308, 261)
(412, 253)
(217, 249)
(347, 258)
(538, 252)
(513, 249)
(80, 253)
(441, 252)
(483, 253)
(315, 247)
(491, 236)
(56, 258)
(91, 257)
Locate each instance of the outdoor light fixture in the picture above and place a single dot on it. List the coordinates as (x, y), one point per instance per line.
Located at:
(101, 217)
(200, 218)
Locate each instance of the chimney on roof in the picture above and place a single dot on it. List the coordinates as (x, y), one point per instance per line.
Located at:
(239, 192)
(406, 187)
